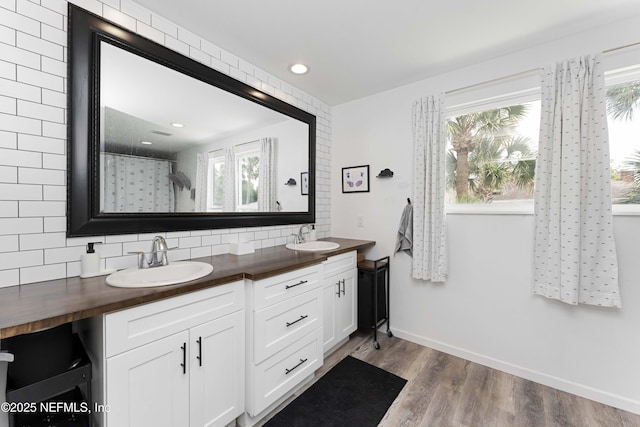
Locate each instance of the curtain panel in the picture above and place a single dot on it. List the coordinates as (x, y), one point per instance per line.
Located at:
(267, 176)
(136, 184)
(429, 185)
(574, 252)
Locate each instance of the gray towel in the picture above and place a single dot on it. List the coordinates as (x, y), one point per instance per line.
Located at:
(405, 231)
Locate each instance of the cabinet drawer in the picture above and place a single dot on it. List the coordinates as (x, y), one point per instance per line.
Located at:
(279, 325)
(133, 327)
(339, 263)
(282, 372)
(276, 289)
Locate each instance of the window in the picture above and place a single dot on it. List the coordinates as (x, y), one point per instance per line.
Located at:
(215, 185)
(247, 173)
(623, 111)
(491, 152)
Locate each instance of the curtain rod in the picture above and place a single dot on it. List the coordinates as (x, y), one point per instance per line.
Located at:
(524, 73)
(139, 157)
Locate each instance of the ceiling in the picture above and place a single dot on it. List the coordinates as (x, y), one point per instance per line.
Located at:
(356, 48)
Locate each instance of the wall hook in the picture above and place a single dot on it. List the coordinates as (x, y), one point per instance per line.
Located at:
(291, 182)
(385, 173)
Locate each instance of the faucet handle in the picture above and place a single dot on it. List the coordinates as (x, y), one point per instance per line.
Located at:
(142, 260)
(296, 238)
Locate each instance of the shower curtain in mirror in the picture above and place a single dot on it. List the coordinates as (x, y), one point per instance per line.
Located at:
(429, 184)
(136, 184)
(229, 180)
(267, 176)
(574, 253)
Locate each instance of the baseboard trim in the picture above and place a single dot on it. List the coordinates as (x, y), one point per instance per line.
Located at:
(581, 390)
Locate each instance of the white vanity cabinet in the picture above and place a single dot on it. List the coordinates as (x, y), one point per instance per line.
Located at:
(284, 337)
(339, 298)
(174, 362)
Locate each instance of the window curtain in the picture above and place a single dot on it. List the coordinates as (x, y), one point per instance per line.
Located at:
(429, 184)
(267, 176)
(229, 180)
(136, 184)
(575, 255)
(202, 169)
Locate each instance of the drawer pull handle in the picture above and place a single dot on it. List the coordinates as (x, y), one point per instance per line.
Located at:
(184, 358)
(343, 286)
(296, 321)
(302, 282)
(338, 284)
(287, 371)
(199, 357)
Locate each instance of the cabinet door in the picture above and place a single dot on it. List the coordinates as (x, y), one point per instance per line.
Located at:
(329, 301)
(148, 386)
(217, 371)
(346, 309)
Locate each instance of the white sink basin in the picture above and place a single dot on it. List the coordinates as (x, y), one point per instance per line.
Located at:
(315, 246)
(176, 272)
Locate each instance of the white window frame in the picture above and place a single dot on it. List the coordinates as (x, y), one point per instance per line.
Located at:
(215, 157)
(251, 149)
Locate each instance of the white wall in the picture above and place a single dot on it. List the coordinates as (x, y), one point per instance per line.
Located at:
(485, 311)
(33, 118)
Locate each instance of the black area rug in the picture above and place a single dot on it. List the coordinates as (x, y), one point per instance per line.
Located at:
(353, 393)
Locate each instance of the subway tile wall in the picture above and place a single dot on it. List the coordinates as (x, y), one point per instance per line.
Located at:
(33, 127)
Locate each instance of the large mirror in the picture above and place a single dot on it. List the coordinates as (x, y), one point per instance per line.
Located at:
(160, 142)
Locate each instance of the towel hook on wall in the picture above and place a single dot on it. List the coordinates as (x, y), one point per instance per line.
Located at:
(408, 200)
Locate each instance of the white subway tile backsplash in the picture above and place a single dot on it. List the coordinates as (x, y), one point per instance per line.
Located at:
(114, 15)
(39, 13)
(40, 176)
(8, 105)
(9, 244)
(7, 35)
(19, 90)
(54, 161)
(20, 192)
(188, 37)
(8, 174)
(54, 35)
(28, 209)
(54, 130)
(19, 22)
(58, 255)
(53, 224)
(20, 259)
(53, 66)
(136, 11)
(9, 278)
(38, 45)
(41, 241)
(177, 45)
(40, 111)
(7, 71)
(164, 25)
(54, 192)
(40, 144)
(150, 32)
(33, 141)
(43, 273)
(40, 79)
(8, 208)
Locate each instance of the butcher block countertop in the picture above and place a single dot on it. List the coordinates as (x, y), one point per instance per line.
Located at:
(31, 307)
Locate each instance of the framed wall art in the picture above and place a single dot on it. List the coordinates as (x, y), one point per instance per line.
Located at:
(355, 179)
(304, 183)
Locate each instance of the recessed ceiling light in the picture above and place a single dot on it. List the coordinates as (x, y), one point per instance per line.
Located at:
(299, 69)
(177, 125)
(146, 142)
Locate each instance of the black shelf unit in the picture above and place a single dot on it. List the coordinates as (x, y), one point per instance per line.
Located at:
(373, 296)
(72, 385)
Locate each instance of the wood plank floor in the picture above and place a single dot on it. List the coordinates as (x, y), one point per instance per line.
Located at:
(446, 391)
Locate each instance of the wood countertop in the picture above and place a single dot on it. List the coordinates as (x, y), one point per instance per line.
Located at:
(31, 307)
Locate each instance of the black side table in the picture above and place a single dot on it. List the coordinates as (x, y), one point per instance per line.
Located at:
(373, 296)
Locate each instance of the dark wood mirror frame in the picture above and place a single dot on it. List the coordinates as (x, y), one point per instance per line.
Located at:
(84, 218)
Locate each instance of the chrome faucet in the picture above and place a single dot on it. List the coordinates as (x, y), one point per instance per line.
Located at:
(159, 252)
(301, 238)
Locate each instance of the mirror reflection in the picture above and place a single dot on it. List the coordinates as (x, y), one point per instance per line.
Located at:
(171, 143)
